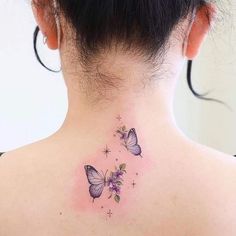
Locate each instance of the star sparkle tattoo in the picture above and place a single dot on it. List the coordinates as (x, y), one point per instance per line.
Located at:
(106, 151)
(109, 213)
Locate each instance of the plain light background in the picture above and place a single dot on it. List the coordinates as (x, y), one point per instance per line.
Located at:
(33, 101)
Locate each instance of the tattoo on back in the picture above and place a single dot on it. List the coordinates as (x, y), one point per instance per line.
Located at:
(98, 181)
(130, 140)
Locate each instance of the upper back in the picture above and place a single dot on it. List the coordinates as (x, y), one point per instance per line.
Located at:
(46, 192)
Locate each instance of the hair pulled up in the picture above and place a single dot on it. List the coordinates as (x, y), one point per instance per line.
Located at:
(143, 25)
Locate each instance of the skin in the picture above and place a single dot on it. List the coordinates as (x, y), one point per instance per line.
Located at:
(183, 188)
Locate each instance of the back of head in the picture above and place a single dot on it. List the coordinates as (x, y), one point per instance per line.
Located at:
(94, 32)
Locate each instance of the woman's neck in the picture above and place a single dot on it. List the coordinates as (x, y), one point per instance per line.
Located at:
(150, 113)
(121, 85)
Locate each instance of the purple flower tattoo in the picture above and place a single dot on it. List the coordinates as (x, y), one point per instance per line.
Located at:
(115, 181)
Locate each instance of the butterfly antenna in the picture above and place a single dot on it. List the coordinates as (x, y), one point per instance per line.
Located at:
(105, 177)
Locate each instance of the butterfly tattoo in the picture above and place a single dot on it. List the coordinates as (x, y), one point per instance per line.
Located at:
(96, 180)
(130, 141)
(99, 181)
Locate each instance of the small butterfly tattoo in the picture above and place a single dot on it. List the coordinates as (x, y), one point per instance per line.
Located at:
(130, 141)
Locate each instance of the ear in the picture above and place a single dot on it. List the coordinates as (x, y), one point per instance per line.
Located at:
(46, 21)
(202, 23)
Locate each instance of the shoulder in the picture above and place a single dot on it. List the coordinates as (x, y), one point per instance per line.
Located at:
(20, 166)
(215, 175)
(217, 164)
(13, 167)
(25, 180)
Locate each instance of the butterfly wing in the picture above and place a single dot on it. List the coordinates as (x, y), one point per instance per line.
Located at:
(135, 150)
(94, 177)
(96, 190)
(132, 138)
(132, 143)
(96, 180)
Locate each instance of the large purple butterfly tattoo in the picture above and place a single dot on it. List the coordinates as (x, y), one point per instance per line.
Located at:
(99, 181)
